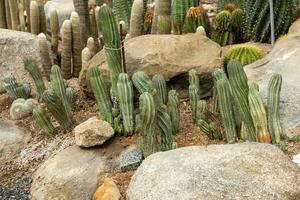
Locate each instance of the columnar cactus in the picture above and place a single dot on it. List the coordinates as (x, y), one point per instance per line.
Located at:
(201, 110)
(223, 34)
(7, 14)
(13, 8)
(164, 17)
(41, 117)
(91, 45)
(70, 93)
(137, 18)
(214, 101)
(259, 115)
(239, 87)
(66, 54)
(14, 89)
(93, 21)
(34, 18)
(43, 21)
(36, 75)
(274, 89)
(122, 10)
(54, 26)
(103, 101)
(76, 44)
(194, 78)
(81, 7)
(143, 83)
(27, 8)
(173, 107)
(155, 18)
(2, 14)
(125, 94)
(86, 57)
(194, 98)
(148, 20)
(98, 24)
(161, 87)
(44, 54)
(21, 17)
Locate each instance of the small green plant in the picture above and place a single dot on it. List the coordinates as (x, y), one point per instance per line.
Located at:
(14, 89)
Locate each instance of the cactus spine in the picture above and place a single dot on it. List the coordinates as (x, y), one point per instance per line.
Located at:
(161, 87)
(2, 14)
(13, 8)
(41, 117)
(99, 90)
(76, 44)
(21, 17)
(44, 54)
(164, 19)
(136, 19)
(54, 25)
(14, 89)
(274, 89)
(66, 54)
(70, 95)
(173, 107)
(125, 94)
(34, 18)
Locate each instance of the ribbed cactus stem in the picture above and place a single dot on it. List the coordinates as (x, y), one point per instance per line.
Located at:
(27, 8)
(143, 83)
(98, 23)
(137, 18)
(15, 90)
(70, 93)
(43, 21)
(45, 54)
(76, 44)
(91, 45)
(13, 8)
(173, 107)
(7, 14)
(32, 68)
(34, 18)
(194, 98)
(214, 102)
(194, 78)
(259, 115)
(66, 54)
(274, 89)
(103, 101)
(94, 30)
(21, 17)
(81, 7)
(164, 17)
(54, 26)
(161, 87)
(41, 117)
(201, 109)
(2, 14)
(19, 109)
(86, 57)
(125, 94)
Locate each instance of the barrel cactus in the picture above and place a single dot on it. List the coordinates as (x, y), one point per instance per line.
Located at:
(19, 109)
(223, 34)
(41, 117)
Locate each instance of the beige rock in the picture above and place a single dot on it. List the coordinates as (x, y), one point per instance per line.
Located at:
(93, 132)
(107, 191)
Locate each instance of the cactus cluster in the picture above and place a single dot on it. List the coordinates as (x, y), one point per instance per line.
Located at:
(14, 89)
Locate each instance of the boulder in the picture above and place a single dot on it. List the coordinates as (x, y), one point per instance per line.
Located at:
(283, 59)
(15, 46)
(64, 9)
(74, 173)
(93, 132)
(170, 55)
(249, 171)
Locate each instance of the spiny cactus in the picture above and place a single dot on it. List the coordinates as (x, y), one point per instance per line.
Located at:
(222, 25)
(86, 57)
(143, 83)
(13, 9)
(201, 109)
(122, 11)
(81, 7)
(91, 45)
(155, 18)
(31, 103)
(54, 26)
(14, 89)
(210, 129)
(137, 18)
(44, 54)
(21, 17)
(41, 117)
(173, 107)
(161, 87)
(93, 21)
(148, 20)
(125, 94)
(32, 68)
(244, 53)
(66, 54)
(43, 21)
(164, 18)
(19, 109)
(194, 98)
(148, 143)
(70, 93)
(34, 18)
(214, 101)
(237, 22)
(7, 14)
(98, 23)
(259, 115)
(223, 3)
(76, 44)
(101, 96)
(2, 14)
(239, 87)
(274, 89)
(194, 78)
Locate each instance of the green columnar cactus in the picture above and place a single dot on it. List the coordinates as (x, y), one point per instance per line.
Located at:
(76, 44)
(148, 20)
(7, 14)
(21, 17)
(201, 110)
(81, 7)
(13, 8)
(14, 89)
(70, 93)
(237, 22)
(43, 21)
(36, 75)
(125, 94)
(143, 83)
(66, 54)
(54, 26)
(226, 110)
(98, 23)
(211, 129)
(27, 8)
(164, 17)
(155, 17)
(274, 89)
(112, 44)
(137, 18)
(94, 30)
(2, 14)
(34, 18)
(122, 11)
(173, 107)
(239, 87)
(194, 78)
(222, 25)
(194, 98)
(259, 116)
(44, 54)
(244, 53)
(103, 101)
(19, 109)
(161, 87)
(41, 117)
(148, 143)
(214, 101)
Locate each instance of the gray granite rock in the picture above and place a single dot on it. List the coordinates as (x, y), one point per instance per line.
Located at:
(131, 159)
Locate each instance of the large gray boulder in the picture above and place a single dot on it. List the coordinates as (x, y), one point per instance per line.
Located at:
(248, 171)
(170, 55)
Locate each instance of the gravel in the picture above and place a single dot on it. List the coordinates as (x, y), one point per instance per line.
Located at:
(18, 191)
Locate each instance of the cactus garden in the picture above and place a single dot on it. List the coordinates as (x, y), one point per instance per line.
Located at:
(92, 92)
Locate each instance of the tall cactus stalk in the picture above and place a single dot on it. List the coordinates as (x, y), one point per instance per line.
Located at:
(2, 14)
(66, 54)
(13, 8)
(193, 78)
(81, 7)
(54, 26)
(27, 8)
(122, 10)
(86, 57)
(164, 17)
(155, 18)
(45, 54)
(173, 107)
(34, 18)
(125, 94)
(137, 18)
(76, 44)
(21, 17)
(43, 21)
(91, 45)
(194, 98)
(103, 101)
(7, 14)
(161, 87)
(201, 110)
(274, 89)
(41, 117)
(143, 83)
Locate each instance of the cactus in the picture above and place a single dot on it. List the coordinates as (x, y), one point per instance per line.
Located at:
(223, 4)
(21, 17)
(210, 129)
(194, 98)
(148, 20)
(122, 11)
(201, 109)
(259, 116)
(31, 103)
(66, 54)
(125, 94)
(27, 8)
(148, 143)
(34, 18)
(226, 110)
(70, 95)
(160, 85)
(237, 22)
(173, 107)
(91, 45)
(41, 117)
(93, 21)
(143, 83)
(2, 14)
(99, 90)
(194, 79)
(155, 18)
(81, 7)
(14, 89)
(86, 57)
(98, 23)
(239, 87)
(136, 19)
(13, 9)
(7, 14)
(274, 89)
(112, 44)
(244, 53)
(19, 109)
(164, 18)
(76, 44)
(54, 26)
(44, 54)
(222, 25)
(214, 101)
(43, 21)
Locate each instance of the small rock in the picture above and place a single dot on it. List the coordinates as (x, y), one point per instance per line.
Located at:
(107, 191)
(296, 159)
(131, 159)
(93, 132)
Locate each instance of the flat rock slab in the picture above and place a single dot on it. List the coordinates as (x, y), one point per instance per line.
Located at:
(248, 171)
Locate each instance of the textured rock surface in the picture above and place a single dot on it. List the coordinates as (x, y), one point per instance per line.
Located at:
(93, 132)
(248, 171)
(169, 55)
(131, 159)
(64, 9)
(107, 191)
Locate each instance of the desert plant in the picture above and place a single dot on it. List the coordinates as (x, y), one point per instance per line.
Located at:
(194, 98)
(27, 9)
(41, 117)
(237, 22)
(223, 3)
(91, 45)
(210, 129)
(66, 54)
(13, 9)
(122, 11)
(164, 18)
(44, 54)
(137, 18)
(34, 18)
(54, 26)
(143, 83)
(19, 109)
(21, 17)
(76, 44)
(70, 93)
(81, 7)
(173, 107)
(7, 14)
(194, 78)
(2, 14)
(160, 85)
(223, 34)
(14, 89)
(43, 21)
(85, 56)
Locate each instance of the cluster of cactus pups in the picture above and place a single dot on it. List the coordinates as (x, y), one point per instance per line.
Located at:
(237, 106)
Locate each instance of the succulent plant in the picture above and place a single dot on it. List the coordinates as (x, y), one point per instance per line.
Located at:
(66, 54)
(237, 23)
(2, 14)
(201, 109)
(21, 16)
(194, 98)
(34, 18)
(44, 54)
(14, 89)
(70, 93)
(31, 103)
(274, 89)
(54, 26)
(41, 117)
(7, 14)
(173, 107)
(91, 45)
(194, 78)
(143, 83)
(223, 34)
(81, 7)
(93, 21)
(13, 10)
(19, 109)
(164, 17)
(214, 101)
(137, 18)
(43, 21)
(85, 56)
(210, 129)
(160, 85)
(148, 20)
(122, 11)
